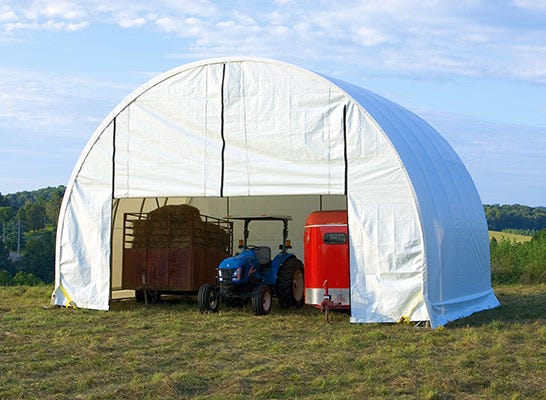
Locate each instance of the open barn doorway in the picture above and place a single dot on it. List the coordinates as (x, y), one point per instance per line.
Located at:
(297, 207)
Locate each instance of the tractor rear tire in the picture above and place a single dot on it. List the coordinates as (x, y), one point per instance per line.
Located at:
(261, 300)
(290, 284)
(207, 298)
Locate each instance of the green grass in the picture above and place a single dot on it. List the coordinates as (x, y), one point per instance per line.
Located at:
(171, 351)
(509, 236)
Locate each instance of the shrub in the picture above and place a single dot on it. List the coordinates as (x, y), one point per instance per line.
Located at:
(26, 279)
(5, 278)
(519, 262)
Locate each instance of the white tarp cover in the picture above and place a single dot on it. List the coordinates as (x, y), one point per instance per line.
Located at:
(254, 127)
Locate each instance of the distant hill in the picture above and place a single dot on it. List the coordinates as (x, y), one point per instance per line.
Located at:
(515, 217)
(18, 200)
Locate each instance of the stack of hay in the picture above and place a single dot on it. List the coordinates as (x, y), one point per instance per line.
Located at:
(178, 226)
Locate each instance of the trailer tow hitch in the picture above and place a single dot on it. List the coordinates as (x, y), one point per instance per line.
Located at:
(327, 302)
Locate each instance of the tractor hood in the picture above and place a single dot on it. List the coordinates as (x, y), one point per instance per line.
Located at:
(239, 260)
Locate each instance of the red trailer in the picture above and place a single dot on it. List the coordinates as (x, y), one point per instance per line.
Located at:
(326, 254)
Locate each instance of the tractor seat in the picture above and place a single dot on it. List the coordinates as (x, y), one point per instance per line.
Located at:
(264, 254)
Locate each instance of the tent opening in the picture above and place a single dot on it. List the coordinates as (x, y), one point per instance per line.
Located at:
(296, 206)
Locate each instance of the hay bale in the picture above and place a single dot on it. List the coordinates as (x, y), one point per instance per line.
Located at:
(178, 226)
(139, 234)
(183, 213)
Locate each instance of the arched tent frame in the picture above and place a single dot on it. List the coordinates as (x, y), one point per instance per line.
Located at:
(246, 127)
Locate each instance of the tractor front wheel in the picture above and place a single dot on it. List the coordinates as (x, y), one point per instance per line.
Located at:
(207, 298)
(261, 300)
(290, 284)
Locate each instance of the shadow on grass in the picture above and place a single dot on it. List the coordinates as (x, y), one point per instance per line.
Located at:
(519, 304)
(188, 303)
(516, 307)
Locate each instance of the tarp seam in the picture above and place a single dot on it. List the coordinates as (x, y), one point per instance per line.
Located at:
(222, 131)
(112, 219)
(345, 148)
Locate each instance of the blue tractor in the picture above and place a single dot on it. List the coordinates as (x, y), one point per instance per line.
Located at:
(252, 274)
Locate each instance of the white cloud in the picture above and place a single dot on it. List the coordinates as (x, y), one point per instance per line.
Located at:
(70, 15)
(431, 39)
(370, 37)
(63, 9)
(283, 2)
(6, 14)
(52, 25)
(12, 26)
(132, 22)
(528, 63)
(59, 8)
(536, 5)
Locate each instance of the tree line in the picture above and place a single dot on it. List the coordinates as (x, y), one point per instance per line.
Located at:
(515, 218)
(28, 225)
(29, 222)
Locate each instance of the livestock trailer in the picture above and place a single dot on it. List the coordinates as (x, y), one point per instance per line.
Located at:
(173, 249)
(326, 259)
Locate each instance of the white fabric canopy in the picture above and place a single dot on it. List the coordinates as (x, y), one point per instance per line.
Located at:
(255, 127)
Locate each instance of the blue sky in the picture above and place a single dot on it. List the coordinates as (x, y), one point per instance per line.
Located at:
(475, 70)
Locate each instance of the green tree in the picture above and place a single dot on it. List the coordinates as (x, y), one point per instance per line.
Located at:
(32, 215)
(11, 236)
(7, 213)
(3, 201)
(5, 262)
(39, 256)
(5, 278)
(53, 206)
(540, 236)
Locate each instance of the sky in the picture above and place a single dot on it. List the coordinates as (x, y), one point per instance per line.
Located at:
(474, 70)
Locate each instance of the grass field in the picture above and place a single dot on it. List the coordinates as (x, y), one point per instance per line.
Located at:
(509, 236)
(170, 351)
